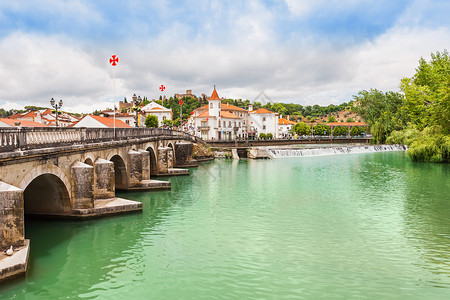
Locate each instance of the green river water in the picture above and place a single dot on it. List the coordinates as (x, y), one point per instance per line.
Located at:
(355, 226)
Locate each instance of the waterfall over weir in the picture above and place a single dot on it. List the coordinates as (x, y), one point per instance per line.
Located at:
(277, 153)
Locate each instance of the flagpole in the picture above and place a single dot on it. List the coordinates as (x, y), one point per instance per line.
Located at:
(114, 85)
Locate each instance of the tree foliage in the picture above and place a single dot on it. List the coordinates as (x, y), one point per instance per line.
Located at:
(151, 121)
(381, 112)
(301, 128)
(340, 130)
(420, 117)
(321, 129)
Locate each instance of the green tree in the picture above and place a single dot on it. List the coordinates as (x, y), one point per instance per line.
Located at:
(301, 128)
(321, 129)
(382, 112)
(167, 123)
(340, 130)
(151, 121)
(427, 93)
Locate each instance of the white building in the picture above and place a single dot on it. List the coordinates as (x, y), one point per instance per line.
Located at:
(220, 121)
(284, 127)
(263, 121)
(161, 112)
(124, 117)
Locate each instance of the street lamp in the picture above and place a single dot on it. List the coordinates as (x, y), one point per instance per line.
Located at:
(56, 106)
(136, 102)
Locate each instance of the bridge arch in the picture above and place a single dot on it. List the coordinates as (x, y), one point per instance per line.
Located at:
(89, 161)
(172, 146)
(120, 172)
(46, 191)
(153, 160)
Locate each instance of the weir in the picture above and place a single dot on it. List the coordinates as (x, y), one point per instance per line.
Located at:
(286, 152)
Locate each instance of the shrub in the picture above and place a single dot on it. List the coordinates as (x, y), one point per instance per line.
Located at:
(269, 136)
(262, 136)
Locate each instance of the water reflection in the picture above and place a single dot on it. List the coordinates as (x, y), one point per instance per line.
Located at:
(356, 226)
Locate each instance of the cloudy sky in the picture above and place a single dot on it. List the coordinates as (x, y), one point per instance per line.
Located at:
(299, 51)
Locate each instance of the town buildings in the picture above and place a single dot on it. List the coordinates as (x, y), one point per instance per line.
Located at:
(5, 122)
(46, 117)
(161, 112)
(223, 121)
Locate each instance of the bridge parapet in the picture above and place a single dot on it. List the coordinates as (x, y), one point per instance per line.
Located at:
(26, 138)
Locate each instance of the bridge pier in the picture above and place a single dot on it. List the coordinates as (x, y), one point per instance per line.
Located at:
(103, 179)
(83, 186)
(165, 163)
(11, 213)
(145, 155)
(134, 169)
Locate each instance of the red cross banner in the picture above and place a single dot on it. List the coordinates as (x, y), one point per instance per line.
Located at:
(181, 102)
(114, 60)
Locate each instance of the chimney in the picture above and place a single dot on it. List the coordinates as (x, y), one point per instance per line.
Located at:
(250, 107)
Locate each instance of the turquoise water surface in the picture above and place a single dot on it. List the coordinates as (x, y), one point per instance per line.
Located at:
(357, 226)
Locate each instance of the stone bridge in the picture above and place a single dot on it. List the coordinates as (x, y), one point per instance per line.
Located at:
(74, 172)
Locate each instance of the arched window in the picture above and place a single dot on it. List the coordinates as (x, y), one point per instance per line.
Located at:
(211, 105)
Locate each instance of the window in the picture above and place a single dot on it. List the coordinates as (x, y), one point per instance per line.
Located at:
(264, 119)
(229, 123)
(219, 123)
(264, 126)
(224, 124)
(164, 117)
(211, 105)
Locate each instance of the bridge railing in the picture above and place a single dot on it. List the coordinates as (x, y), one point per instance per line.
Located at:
(27, 138)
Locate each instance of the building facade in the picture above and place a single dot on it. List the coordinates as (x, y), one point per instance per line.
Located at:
(222, 121)
(153, 108)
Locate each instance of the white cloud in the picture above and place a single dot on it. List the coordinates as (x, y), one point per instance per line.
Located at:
(243, 57)
(34, 69)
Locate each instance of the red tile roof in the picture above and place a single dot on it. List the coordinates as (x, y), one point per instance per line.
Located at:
(283, 121)
(15, 116)
(204, 115)
(222, 107)
(262, 111)
(214, 95)
(109, 122)
(225, 114)
(230, 107)
(10, 122)
(47, 112)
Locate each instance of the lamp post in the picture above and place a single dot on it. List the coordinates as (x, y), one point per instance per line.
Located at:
(136, 102)
(56, 106)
